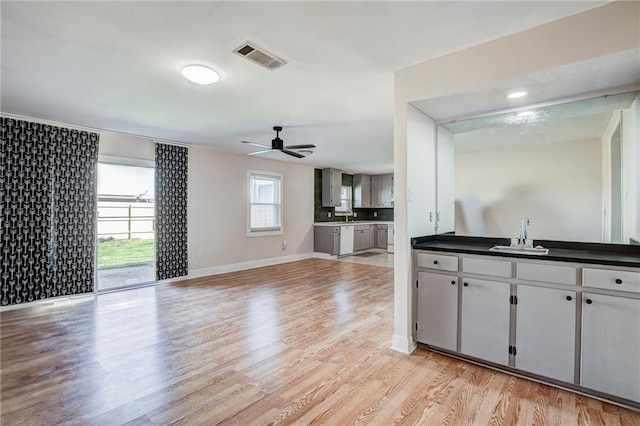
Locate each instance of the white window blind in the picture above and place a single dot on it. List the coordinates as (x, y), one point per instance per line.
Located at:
(265, 202)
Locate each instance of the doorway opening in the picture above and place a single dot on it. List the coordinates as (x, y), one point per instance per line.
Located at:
(125, 225)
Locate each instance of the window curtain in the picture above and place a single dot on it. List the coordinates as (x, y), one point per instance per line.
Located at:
(74, 209)
(48, 210)
(171, 211)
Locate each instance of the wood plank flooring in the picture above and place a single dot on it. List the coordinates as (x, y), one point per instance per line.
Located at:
(300, 343)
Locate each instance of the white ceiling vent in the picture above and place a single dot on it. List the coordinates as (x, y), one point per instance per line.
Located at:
(259, 56)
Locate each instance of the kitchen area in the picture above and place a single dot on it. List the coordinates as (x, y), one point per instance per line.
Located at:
(353, 214)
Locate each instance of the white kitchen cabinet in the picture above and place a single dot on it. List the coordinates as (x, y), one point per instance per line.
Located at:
(331, 187)
(611, 345)
(545, 332)
(438, 310)
(485, 320)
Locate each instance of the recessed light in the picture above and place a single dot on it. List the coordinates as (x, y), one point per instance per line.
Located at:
(516, 95)
(526, 113)
(200, 74)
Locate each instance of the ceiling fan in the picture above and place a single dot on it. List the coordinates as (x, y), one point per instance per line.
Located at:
(278, 144)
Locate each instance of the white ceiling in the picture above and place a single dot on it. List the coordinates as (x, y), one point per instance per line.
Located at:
(115, 66)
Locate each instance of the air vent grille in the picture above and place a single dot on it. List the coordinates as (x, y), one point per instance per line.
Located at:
(259, 56)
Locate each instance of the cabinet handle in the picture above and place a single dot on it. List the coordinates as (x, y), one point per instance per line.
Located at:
(435, 262)
(569, 298)
(465, 284)
(618, 281)
(589, 301)
(453, 283)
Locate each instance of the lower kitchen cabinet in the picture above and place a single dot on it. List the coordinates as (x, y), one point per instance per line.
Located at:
(361, 238)
(326, 239)
(560, 322)
(485, 320)
(611, 345)
(438, 310)
(545, 332)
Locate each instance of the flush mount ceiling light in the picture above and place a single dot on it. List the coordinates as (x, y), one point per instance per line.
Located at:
(199, 74)
(526, 113)
(516, 95)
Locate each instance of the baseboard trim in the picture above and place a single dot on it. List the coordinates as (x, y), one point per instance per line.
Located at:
(51, 301)
(403, 345)
(233, 267)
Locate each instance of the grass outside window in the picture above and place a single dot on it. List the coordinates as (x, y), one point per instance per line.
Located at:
(121, 253)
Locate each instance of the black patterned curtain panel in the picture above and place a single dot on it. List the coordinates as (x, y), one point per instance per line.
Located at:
(171, 211)
(47, 197)
(74, 206)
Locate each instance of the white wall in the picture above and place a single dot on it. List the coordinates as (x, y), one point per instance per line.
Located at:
(126, 146)
(558, 186)
(598, 32)
(217, 209)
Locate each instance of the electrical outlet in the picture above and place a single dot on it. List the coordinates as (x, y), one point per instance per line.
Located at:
(199, 255)
(375, 214)
(328, 214)
(355, 214)
(283, 244)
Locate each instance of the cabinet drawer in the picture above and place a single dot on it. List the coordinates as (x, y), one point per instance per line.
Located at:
(611, 279)
(547, 272)
(362, 227)
(438, 261)
(496, 268)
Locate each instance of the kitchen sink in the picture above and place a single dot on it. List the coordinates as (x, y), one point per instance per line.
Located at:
(520, 250)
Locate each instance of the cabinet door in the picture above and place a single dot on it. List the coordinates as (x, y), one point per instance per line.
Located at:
(386, 190)
(382, 238)
(331, 187)
(485, 320)
(438, 310)
(361, 191)
(376, 188)
(357, 240)
(611, 345)
(545, 332)
(372, 236)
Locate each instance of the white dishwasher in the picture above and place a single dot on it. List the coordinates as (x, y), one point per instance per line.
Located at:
(346, 239)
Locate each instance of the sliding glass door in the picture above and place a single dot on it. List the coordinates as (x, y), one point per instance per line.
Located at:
(126, 231)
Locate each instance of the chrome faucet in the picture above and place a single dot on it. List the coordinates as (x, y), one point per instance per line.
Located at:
(522, 239)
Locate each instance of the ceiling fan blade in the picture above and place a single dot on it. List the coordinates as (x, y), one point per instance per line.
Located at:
(299, 146)
(295, 154)
(259, 152)
(256, 144)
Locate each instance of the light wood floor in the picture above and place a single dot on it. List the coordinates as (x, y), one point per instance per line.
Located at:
(300, 343)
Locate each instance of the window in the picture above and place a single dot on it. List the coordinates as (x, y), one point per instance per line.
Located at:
(345, 200)
(265, 203)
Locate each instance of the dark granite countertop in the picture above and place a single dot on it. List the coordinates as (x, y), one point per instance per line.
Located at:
(565, 251)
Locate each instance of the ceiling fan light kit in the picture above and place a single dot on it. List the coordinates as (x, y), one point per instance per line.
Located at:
(278, 145)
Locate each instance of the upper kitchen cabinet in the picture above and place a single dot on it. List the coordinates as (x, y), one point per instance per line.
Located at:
(374, 191)
(382, 190)
(331, 187)
(361, 191)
